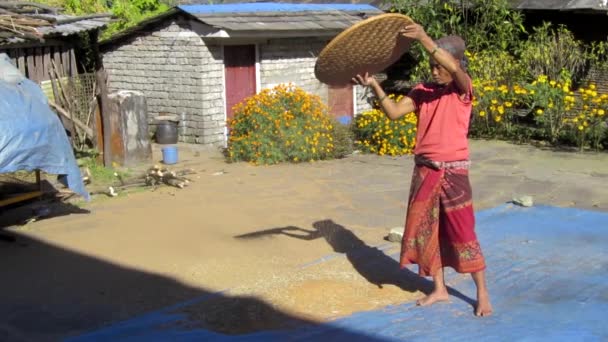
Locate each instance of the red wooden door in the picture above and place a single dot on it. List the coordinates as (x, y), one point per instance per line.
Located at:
(340, 100)
(239, 61)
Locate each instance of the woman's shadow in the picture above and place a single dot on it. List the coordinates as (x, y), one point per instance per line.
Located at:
(370, 262)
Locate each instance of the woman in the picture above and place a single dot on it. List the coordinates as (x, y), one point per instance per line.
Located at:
(440, 222)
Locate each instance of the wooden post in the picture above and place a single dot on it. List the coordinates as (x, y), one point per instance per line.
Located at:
(73, 66)
(57, 57)
(39, 61)
(99, 135)
(103, 100)
(46, 63)
(21, 61)
(65, 60)
(31, 65)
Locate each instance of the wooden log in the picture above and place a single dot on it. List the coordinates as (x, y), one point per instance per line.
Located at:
(64, 96)
(77, 122)
(20, 198)
(64, 120)
(92, 107)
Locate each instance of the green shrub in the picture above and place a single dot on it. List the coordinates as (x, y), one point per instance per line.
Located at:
(550, 52)
(375, 133)
(281, 124)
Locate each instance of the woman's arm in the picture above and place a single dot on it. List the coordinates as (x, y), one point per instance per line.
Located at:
(393, 110)
(443, 57)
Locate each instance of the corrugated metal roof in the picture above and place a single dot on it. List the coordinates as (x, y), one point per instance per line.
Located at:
(381, 4)
(71, 26)
(280, 17)
(283, 21)
(257, 7)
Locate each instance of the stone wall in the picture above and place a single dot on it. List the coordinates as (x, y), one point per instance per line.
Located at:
(292, 60)
(364, 97)
(178, 73)
(182, 74)
(600, 78)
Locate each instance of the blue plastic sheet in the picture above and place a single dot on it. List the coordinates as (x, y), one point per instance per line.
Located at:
(32, 134)
(547, 274)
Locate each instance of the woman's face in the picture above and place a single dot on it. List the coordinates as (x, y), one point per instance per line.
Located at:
(439, 73)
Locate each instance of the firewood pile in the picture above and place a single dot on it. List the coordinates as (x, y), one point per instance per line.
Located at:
(158, 175)
(23, 19)
(154, 177)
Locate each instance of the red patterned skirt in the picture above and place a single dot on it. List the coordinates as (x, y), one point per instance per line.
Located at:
(440, 222)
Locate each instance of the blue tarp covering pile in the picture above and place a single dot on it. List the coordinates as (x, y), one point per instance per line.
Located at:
(32, 134)
(547, 274)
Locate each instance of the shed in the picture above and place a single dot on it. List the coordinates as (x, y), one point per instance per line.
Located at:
(41, 36)
(198, 61)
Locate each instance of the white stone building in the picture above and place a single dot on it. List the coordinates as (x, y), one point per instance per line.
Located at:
(197, 61)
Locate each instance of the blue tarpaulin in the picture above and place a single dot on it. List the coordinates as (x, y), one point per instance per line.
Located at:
(32, 136)
(547, 275)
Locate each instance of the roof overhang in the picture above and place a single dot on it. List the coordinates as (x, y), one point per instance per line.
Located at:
(263, 20)
(588, 6)
(64, 26)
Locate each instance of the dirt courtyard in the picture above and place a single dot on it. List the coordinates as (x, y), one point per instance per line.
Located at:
(266, 247)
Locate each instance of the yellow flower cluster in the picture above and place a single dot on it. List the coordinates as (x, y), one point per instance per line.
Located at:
(555, 107)
(593, 109)
(493, 102)
(376, 133)
(281, 124)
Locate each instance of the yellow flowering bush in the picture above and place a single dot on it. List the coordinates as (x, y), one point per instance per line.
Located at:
(281, 124)
(376, 133)
(553, 110)
(482, 65)
(496, 107)
(551, 101)
(589, 124)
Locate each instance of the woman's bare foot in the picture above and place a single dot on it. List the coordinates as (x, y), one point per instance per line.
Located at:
(440, 292)
(484, 308)
(434, 297)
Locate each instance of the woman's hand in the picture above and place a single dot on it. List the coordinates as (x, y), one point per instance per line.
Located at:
(413, 31)
(365, 80)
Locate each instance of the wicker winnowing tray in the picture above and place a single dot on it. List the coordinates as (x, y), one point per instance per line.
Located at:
(370, 46)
